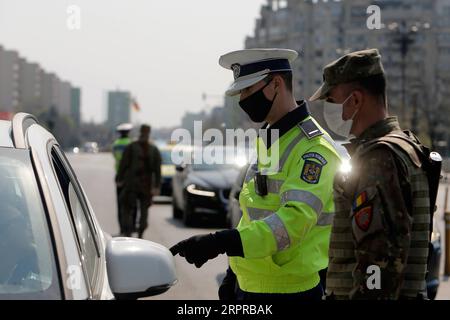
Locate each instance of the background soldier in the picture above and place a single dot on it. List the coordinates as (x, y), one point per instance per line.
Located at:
(118, 148)
(140, 176)
(281, 242)
(382, 221)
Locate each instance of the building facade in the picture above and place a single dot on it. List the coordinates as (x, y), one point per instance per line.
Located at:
(413, 39)
(75, 106)
(119, 110)
(9, 80)
(25, 86)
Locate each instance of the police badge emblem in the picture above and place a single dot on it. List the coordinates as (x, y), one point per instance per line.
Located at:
(312, 169)
(311, 172)
(236, 70)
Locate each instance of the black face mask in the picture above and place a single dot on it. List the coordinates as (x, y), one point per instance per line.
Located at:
(257, 106)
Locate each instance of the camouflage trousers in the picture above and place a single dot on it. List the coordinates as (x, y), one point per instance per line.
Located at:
(131, 204)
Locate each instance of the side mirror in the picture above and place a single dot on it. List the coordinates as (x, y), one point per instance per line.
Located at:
(139, 268)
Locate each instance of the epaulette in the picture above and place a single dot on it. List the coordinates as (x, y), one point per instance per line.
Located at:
(310, 129)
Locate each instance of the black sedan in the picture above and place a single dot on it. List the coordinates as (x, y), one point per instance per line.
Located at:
(202, 190)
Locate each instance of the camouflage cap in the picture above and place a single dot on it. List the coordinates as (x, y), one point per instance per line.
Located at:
(351, 67)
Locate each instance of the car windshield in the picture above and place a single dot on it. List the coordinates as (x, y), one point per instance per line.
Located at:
(27, 266)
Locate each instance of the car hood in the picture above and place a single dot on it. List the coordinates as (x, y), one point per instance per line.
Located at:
(213, 179)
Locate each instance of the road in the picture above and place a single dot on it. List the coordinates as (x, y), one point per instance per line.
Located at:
(96, 174)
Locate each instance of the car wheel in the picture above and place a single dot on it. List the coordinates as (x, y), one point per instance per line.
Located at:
(188, 216)
(176, 213)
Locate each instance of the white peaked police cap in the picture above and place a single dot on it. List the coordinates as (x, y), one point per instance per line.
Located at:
(250, 66)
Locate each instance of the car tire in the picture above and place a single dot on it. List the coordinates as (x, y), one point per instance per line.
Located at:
(188, 216)
(176, 212)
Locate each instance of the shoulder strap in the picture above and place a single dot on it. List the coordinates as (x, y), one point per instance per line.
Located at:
(392, 140)
(310, 129)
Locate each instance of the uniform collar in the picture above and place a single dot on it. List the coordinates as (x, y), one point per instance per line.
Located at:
(377, 130)
(286, 123)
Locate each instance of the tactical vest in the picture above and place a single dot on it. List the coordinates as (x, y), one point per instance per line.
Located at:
(342, 259)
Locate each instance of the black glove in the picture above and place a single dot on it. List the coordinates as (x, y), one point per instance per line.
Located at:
(199, 249)
(227, 290)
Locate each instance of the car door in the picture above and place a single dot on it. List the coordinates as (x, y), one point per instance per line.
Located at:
(85, 230)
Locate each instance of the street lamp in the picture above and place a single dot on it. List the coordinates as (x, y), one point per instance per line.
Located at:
(405, 37)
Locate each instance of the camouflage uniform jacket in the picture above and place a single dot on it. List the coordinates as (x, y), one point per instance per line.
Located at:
(140, 168)
(379, 239)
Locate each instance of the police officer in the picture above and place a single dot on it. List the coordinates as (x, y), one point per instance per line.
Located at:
(380, 234)
(140, 175)
(118, 148)
(281, 242)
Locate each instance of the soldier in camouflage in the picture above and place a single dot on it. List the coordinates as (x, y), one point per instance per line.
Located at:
(380, 234)
(139, 176)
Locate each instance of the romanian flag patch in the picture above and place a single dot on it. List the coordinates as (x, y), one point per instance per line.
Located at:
(360, 200)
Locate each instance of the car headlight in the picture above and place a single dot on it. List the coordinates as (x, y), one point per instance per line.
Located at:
(193, 189)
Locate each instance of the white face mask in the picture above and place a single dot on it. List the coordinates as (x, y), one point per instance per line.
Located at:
(333, 117)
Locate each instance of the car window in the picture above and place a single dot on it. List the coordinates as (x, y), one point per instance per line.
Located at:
(27, 265)
(80, 215)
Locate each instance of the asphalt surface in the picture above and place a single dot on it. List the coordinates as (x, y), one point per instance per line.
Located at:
(96, 174)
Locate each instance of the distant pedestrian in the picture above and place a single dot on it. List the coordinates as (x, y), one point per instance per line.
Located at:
(139, 175)
(118, 148)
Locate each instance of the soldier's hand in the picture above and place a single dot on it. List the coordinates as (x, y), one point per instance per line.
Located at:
(198, 249)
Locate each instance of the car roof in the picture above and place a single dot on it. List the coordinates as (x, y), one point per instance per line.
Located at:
(5, 134)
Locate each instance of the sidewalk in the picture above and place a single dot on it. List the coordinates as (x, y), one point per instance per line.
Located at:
(444, 289)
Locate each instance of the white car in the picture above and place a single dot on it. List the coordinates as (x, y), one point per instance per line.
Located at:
(52, 246)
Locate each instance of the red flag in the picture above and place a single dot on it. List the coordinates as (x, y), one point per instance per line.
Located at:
(6, 115)
(135, 104)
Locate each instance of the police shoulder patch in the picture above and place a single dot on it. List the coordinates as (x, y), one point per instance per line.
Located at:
(311, 171)
(313, 166)
(315, 155)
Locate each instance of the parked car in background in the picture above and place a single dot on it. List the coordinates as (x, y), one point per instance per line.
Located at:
(202, 190)
(52, 244)
(167, 165)
(167, 170)
(90, 147)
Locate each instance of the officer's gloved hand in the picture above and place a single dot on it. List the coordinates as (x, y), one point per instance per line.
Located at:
(227, 290)
(199, 249)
